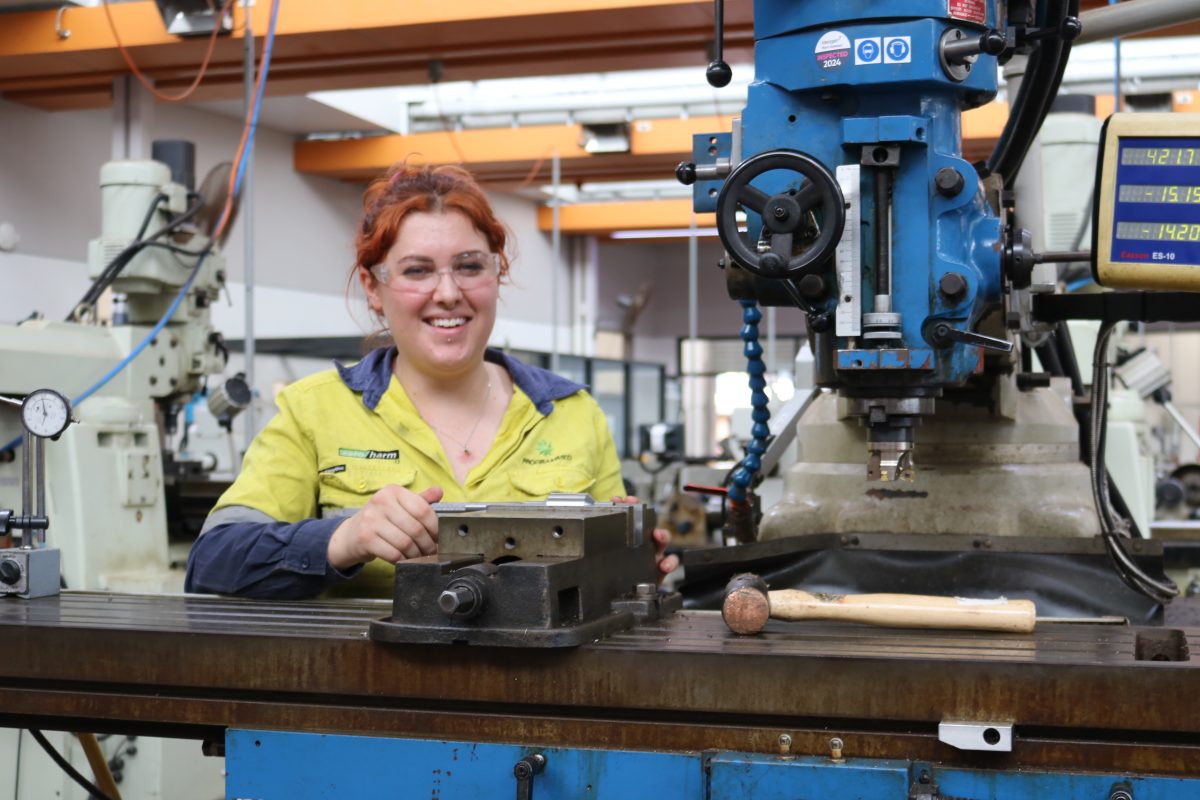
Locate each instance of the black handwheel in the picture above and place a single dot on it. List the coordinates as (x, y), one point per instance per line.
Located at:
(784, 215)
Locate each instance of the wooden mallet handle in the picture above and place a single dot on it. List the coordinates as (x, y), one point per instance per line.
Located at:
(748, 605)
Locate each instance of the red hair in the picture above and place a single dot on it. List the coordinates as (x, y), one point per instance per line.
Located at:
(404, 189)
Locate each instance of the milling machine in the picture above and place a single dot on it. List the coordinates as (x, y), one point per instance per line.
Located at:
(127, 369)
(909, 262)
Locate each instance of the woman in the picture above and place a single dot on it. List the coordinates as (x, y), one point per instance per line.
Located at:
(436, 416)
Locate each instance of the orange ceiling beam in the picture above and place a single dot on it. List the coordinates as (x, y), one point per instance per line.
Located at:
(506, 155)
(600, 219)
(358, 43)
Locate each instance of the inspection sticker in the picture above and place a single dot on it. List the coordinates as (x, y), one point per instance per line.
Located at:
(970, 10)
(897, 49)
(868, 51)
(832, 50)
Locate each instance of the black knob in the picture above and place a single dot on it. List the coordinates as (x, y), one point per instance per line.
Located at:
(685, 173)
(10, 572)
(771, 262)
(718, 74)
(949, 181)
(1070, 29)
(953, 286)
(993, 43)
(811, 287)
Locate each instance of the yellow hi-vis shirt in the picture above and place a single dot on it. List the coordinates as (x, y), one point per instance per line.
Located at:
(330, 448)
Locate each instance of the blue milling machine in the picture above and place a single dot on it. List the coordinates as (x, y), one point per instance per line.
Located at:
(842, 191)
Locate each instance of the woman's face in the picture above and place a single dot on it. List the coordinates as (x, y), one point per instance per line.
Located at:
(441, 329)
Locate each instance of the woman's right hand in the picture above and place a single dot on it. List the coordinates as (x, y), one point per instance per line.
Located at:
(395, 524)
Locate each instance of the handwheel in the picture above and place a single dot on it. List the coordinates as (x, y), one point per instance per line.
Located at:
(784, 215)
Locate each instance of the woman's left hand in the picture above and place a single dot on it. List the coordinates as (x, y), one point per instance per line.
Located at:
(662, 538)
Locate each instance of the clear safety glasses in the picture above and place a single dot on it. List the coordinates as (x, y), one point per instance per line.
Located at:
(419, 276)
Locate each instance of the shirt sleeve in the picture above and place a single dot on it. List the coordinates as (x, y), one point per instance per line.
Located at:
(243, 552)
(261, 539)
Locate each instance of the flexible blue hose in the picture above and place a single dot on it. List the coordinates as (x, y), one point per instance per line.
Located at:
(743, 476)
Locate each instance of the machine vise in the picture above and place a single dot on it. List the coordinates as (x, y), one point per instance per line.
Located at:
(551, 574)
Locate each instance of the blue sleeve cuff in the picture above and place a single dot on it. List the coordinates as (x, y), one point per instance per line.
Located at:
(306, 552)
(276, 560)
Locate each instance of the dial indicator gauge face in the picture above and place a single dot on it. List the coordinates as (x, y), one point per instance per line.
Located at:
(46, 413)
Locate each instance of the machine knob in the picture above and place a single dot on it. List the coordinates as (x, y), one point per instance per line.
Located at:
(953, 286)
(462, 598)
(719, 74)
(962, 50)
(1018, 258)
(949, 182)
(685, 173)
(10, 572)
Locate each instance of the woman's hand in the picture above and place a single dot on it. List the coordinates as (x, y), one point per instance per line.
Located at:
(395, 524)
(662, 538)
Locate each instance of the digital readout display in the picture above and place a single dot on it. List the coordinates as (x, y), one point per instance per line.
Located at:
(1161, 156)
(1135, 193)
(1156, 205)
(1159, 231)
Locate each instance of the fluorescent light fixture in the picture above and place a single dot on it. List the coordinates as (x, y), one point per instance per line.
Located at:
(663, 233)
(606, 138)
(193, 17)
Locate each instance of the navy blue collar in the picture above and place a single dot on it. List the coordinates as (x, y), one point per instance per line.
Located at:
(372, 375)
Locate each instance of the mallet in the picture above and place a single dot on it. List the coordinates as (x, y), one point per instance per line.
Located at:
(748, 605)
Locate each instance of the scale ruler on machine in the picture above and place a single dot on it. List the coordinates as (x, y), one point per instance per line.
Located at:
(848, 256)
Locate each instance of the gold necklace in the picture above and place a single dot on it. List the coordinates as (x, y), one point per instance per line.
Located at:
(466, 444)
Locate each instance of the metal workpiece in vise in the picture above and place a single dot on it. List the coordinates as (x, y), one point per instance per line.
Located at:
(556, 573)
(842, 190)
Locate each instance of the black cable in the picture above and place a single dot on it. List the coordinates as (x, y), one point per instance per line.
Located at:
(1047, 353)
(122, 259)
(1048, 96)
(1066, 356)
(1038, 90)
(66, 767)
(1033, 67)
(125, 252)
(1110, 526)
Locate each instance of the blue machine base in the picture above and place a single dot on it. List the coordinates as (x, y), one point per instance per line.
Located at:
(273, 765)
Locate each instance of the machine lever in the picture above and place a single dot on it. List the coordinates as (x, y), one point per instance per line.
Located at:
(943, 334)
(525, 769)
(960, 51)
(718, 73)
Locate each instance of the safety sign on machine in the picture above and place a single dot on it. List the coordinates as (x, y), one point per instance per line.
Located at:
(883, 50)
(868, 51)
(897, 49)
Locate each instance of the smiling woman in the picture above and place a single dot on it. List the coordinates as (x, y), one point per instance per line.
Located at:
(339, 485)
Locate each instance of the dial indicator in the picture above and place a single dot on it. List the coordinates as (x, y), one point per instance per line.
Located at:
(46, 413)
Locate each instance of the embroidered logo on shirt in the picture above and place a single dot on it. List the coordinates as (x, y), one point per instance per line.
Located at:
(387, 455)
(562, 457)
(544, 448)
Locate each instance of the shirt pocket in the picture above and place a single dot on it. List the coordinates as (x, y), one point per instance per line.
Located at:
(536, 483)
(354, 483)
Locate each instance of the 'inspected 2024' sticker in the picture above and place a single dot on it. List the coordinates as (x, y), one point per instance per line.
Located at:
(832, 50)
